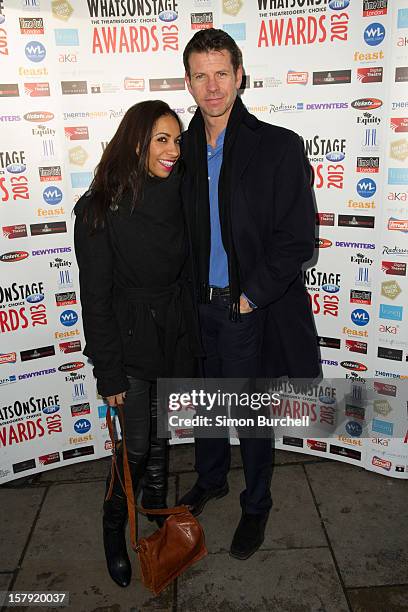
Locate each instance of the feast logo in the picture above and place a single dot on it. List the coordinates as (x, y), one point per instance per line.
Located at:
(308, 30)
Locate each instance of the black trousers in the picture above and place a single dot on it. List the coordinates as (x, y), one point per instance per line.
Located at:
(233, 351)
(146, 452)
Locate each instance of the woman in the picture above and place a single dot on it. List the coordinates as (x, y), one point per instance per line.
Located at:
(131, 249)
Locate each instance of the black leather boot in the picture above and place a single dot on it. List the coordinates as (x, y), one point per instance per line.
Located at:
(156, 471)
(115, 514)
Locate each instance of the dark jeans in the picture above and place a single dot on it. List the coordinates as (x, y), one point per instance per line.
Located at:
(232, 351)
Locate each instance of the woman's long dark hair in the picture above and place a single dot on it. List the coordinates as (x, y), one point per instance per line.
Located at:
(121, 168)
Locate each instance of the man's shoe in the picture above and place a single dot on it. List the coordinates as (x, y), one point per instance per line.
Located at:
(197, 497)
(249, 535)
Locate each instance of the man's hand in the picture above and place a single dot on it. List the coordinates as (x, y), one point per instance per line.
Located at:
(116, 400)
(244, 306)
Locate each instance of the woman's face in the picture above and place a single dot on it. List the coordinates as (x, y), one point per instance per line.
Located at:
(164, 148)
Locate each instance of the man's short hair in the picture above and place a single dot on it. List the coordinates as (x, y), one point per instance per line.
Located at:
(211, 39)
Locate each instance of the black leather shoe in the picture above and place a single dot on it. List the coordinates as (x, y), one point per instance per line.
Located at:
(249, 535)
(197, 497)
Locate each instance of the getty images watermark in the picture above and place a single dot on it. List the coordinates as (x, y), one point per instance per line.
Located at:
(201, 400)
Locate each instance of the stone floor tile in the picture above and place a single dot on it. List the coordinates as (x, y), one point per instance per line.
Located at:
(270, 581)
(91, 589)
(380, 599)
(365, 517)
(293, 521)
(19, 508)
(85, 470)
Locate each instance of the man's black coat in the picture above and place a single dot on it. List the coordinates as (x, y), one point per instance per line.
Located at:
(273, 227)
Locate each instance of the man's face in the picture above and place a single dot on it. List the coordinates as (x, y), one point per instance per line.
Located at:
(213, 82)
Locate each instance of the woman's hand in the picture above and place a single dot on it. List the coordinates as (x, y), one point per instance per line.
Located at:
(116, 400)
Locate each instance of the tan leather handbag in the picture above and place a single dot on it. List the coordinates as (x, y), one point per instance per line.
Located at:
(171, 549)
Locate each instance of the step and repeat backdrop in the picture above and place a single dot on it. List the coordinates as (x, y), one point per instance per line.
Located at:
(335, 71)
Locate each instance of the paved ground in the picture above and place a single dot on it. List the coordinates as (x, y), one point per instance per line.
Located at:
(337, 540)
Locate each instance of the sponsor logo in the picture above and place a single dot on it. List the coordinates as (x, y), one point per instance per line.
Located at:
(394, 268)
(68, 318)
(39, 116)
(397, 176)
(325, 219)
(51, 409)
(372, 8)
(71, 367)
(338, 5)
(368, 164)
(382, 407)
(37, 90)
(65, 299)
(78, 452)
(296, 78)
(9, 90)
(31, 25)
(370, 139)
(77, 133)
(35, 51)
(370, 74)
(77, 156)
(37, 353)
(366, 188)
(356, 346)
(8, 358)
(49, 173)
(52, 195)
(401, 74)
(334, 343)
(23, 466)
(400, 225)
(366, 104)
(81, 180)
(389, 353)
(49, 458)
(236, 30)
(360, 204)
(354, 429)
(292, 441)
(399, 149)
(402, 20)
(353, 365)
(390, 289)
(330, 288)
(360, 297)
(12, 256)
(374, 34)
(82, 426)
(14, 231)
(73, 346)
(360, 317)
(332, 77)
(74, 87)
(399, 124)
(168, 15)
(393, 313)
(172, 84)
(42, 229)
(80, 409)
(317, 445)
(355, 221)
(385, 389)
(342, 451)
(322, 243)
(201, 21)
(66, 37)
(34, 298)
(61, 9)
(134, 84)
(381, 463)
(382, 427)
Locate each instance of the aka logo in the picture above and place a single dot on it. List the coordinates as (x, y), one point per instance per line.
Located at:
(35, 51)
(52, 195)
(68, 318)
(374, 34)
(366, 188)
(360, 317)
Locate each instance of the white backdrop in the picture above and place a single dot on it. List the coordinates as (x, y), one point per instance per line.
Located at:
(334, 71)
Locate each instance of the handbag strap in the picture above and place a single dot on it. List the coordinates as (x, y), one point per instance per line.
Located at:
(127, 486)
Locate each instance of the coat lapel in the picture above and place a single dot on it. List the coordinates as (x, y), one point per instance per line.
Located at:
(245, 147)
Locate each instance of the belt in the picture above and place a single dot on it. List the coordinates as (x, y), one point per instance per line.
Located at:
(219, 292)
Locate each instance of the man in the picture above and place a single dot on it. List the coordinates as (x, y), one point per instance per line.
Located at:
(251, 217)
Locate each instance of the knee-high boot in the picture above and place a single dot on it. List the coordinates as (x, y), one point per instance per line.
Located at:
(156, 472)
(115, 515)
